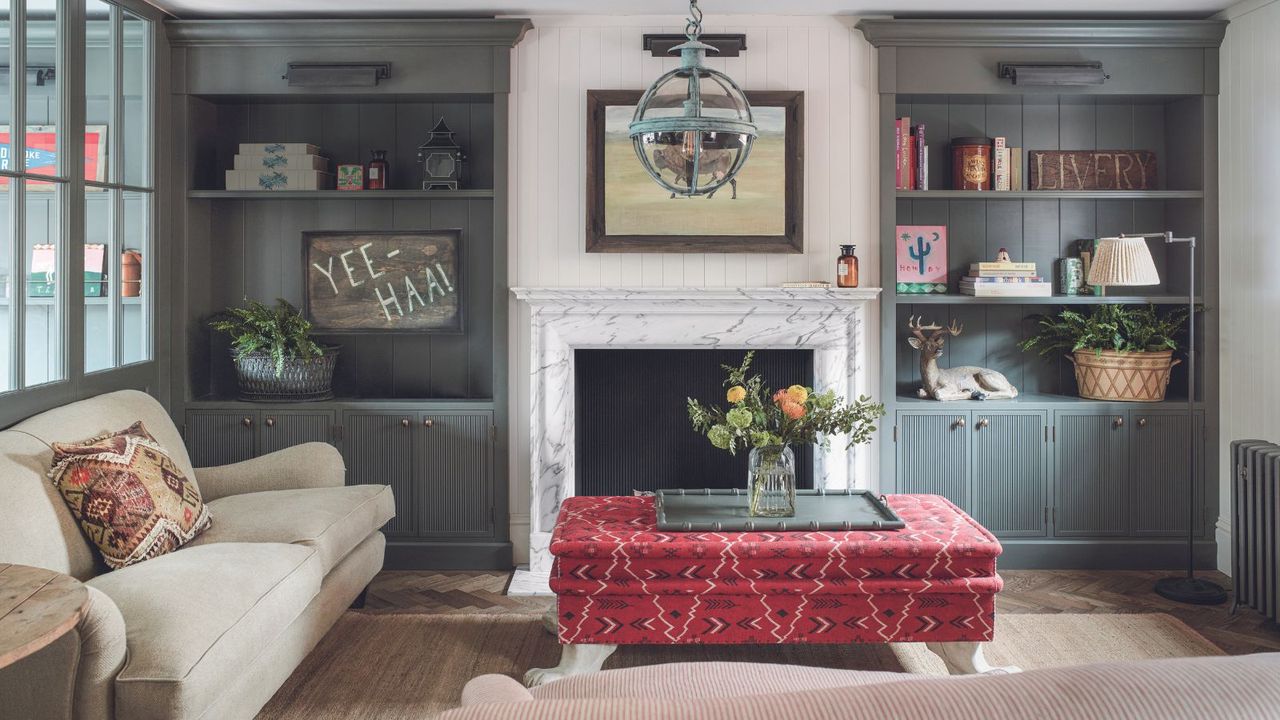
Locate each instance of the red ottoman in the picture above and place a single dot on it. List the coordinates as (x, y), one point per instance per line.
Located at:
(620, 581)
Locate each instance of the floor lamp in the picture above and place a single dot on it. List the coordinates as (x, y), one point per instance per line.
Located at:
(1126, 260)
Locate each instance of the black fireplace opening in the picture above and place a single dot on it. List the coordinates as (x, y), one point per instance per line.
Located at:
(633, 431)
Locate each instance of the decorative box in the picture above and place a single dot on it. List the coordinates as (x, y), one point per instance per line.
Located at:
(281, 162)
(278, 180)
(278, 148)
(350, 176)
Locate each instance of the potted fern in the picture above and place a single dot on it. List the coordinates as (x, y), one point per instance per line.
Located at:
(275, 356)
(1120, 352)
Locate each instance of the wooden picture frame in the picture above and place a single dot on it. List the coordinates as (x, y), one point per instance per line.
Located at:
(789, 238)
(383, 281)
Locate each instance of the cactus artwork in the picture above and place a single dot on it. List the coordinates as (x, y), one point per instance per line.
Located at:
(921, 259)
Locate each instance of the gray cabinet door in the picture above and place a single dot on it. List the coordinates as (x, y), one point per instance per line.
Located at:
(378, 449)
(1010, 469)
(286, 428)
(453, 469)
(1092, 484)
(1159, 454)
(933, 454)
(220, 437)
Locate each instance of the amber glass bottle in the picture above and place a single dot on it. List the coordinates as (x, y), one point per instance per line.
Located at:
(847, 267)
(376, 173)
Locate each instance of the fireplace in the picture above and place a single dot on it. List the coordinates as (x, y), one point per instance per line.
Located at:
(633, 430)
(828, 324)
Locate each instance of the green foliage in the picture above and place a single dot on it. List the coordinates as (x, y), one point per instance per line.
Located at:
(1122, 328)
(259, 329)
(759, 419)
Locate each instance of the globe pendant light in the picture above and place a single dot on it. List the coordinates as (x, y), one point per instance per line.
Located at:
(692, 129)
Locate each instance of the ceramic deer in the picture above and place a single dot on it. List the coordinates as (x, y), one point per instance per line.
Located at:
(958, 383)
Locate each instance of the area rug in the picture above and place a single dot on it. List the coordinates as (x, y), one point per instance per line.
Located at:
(409, 667)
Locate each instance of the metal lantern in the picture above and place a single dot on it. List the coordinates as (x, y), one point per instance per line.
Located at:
(441, 159)
(693, 123)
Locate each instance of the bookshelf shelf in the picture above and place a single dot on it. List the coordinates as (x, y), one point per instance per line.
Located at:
(337, 194)
(903, 299)
(1050, 195)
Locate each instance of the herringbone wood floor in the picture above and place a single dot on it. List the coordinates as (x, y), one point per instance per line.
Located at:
(1025, 591)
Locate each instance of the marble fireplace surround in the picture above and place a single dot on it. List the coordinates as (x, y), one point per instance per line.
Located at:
(830, 322)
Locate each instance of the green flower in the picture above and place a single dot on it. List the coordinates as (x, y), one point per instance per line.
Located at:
(720, 436)
(739, 417)
(826, 400)
(761, 439)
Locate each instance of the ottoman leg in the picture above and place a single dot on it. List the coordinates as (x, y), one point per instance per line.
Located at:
(574, 660)
(965, 658)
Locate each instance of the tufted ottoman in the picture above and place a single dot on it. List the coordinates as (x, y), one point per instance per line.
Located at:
(620, 581)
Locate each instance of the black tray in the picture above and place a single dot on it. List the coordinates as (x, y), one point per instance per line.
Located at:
(726, 510)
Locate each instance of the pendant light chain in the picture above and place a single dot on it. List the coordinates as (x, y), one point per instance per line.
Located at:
(693, 24)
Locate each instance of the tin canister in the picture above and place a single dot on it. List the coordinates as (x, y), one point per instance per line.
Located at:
(1070, 276)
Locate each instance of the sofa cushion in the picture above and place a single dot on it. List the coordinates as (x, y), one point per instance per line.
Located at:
(129, 497)
(194, 619)
(332, 520)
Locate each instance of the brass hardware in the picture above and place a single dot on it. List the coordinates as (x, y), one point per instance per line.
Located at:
(246, 421)
(959, 423)
(1117, 423)
(984, 422)
(404, 422)
(1142, 422)
(428, 422)
(271, 422)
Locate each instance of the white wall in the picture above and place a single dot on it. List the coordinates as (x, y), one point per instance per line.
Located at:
(564, 56)
(1249, 168)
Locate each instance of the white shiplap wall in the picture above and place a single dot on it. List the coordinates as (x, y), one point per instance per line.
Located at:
(1249, 169)
(564, 56)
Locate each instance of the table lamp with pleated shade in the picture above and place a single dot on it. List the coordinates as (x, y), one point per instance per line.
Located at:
(1122, 261)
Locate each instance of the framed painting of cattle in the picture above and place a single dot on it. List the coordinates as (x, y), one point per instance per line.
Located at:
(760, 211)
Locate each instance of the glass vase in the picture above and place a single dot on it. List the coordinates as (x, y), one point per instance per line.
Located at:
(771, 482)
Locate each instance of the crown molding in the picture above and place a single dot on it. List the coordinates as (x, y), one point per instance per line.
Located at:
(1044, 33)
(381, 32)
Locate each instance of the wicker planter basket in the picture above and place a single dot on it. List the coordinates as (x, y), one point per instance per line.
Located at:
(302, 380)
(1128, 376)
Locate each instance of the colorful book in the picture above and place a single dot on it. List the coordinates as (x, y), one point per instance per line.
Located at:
(1003, 279)
(917, 157)
(990, 268)
(1036, 289)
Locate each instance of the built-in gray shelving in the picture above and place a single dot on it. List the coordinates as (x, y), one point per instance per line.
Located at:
(1051, 300)
(1050, 194)
(370, 195)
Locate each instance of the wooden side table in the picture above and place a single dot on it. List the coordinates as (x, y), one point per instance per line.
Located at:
(37, 606)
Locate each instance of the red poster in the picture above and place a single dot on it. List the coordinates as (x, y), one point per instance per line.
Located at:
(42, 156)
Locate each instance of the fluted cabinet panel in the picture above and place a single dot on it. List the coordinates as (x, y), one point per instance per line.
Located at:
(280, 430)
(454, 474)
(1009, 472)
(378, 449)
(220, 437)
(1159, 457)
(1092, 479)
(933, 455)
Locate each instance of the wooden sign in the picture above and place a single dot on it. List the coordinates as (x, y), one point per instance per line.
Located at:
(383, 281)
(1092, 170)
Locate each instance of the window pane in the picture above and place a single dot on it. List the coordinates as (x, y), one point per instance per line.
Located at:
(40, 88)
(136, 295)
(99, 310)
(42, 346)
(11, 280)
(135, 72)
(99, 84)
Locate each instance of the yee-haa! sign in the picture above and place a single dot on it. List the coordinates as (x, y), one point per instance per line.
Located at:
(383, 281)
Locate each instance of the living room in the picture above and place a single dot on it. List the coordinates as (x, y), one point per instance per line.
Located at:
(555, 358)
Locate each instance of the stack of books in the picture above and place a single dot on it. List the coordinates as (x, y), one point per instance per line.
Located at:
(1005, 279)
(912, 167)
(1006, 166)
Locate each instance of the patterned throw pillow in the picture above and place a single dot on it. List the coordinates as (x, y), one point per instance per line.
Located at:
(130, 498)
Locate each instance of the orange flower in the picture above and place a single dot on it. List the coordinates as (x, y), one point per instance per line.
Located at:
(779, 397)
(736, 394)
(792, 409)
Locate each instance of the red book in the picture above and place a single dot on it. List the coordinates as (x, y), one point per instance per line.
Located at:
(911, 166)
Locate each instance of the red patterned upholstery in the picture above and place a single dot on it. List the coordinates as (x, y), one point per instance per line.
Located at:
(621, 581)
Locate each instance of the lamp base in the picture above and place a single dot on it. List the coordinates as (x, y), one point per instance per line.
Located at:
(1191, 590)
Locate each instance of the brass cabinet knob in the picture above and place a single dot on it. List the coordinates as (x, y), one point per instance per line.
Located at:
(959, 423)
(404, 422)
(1142, 422)
(246, 421)
(270, 422)
(429, 423)
(1117, 423)
(984, 422)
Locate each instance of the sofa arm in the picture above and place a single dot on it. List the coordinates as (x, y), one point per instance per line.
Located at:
(310, 465)
(494, 689)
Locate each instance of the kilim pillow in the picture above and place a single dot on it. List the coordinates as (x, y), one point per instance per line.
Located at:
(129, 497)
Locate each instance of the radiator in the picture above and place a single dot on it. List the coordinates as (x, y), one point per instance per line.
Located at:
(1255, 512)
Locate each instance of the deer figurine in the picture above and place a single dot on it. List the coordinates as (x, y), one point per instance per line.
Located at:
(959, 383)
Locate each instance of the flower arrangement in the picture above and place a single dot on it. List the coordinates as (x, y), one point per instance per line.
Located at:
(793, 415)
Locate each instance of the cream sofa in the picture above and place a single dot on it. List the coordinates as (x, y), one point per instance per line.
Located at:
(212, 630)
(1228, 688)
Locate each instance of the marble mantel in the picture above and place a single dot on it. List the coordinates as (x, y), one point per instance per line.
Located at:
(830, 322)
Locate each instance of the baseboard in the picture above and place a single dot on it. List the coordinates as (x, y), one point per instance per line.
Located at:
(1118, 554)
(421, 555)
